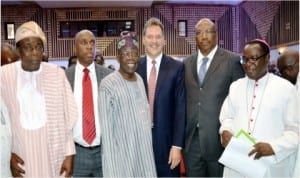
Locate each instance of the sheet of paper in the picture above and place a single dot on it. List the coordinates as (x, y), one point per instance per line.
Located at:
(242, 134)
(235, 156)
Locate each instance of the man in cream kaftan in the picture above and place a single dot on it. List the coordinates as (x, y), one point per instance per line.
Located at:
(42, 109)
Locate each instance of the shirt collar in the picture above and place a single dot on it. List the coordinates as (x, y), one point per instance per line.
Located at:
(91, 67)
(157, 59)
(262, 80)
(210, 55)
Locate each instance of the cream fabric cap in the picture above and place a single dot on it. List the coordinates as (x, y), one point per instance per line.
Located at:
(30, 29)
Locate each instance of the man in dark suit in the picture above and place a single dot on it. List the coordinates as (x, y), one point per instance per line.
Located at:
(87, 161)
(208, 75)
(164, 83)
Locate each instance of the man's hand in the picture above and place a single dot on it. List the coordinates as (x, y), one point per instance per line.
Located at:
(15, 162)
(226, 136)
(174, 157)
(67, 166)
(261, 149)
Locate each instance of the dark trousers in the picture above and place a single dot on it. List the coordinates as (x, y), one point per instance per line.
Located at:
(196, 165)
(87, 162)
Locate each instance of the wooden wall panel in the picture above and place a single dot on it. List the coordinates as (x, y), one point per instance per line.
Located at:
(276, 21)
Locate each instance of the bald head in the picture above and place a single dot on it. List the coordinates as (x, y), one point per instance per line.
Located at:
(205, 21)
(288, 65)
(83, 33)
(8, 54)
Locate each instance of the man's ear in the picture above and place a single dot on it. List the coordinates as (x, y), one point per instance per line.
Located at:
(267, 58)
(74, 49)
(18, 51)
(118, 57)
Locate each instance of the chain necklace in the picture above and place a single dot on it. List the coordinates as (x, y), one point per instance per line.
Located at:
(249, 113)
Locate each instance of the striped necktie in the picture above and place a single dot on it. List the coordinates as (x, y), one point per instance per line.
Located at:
(88, 117)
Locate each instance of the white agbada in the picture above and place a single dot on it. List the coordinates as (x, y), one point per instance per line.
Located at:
(6, 141)
(297, 165)
(268, 110)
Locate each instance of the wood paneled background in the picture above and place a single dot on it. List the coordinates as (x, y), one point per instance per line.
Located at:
(275, 21)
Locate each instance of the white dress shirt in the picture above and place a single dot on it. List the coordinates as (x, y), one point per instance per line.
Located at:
(209, 56)
(149, 65)
(77, 131)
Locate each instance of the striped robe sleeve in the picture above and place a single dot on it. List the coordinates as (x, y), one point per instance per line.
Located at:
(106, 122)
(70, 111)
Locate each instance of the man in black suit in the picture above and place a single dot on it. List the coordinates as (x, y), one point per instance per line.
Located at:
(208, 75)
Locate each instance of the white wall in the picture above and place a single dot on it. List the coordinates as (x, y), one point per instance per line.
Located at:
(274, 53)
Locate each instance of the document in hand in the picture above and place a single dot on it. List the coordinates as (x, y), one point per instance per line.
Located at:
(235, 156)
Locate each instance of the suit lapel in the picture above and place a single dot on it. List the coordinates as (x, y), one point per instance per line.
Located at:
(214, 64)
(194, 68)
(99, 74)
(163, 72)
(71, 76)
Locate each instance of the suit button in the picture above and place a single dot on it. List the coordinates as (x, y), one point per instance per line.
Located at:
(199, 104)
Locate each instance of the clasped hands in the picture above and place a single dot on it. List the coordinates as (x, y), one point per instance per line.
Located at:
(260, 149)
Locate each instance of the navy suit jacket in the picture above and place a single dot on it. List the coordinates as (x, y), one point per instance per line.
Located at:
(169, 110)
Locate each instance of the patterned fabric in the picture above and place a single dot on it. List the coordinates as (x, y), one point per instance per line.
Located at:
(126, 128)
(88, 116)
(128, 39)
(87, 162)
(30, 29)
(53, 142)
(151, 87)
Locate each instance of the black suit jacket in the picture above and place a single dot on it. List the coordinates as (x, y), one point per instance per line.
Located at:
(204, 101)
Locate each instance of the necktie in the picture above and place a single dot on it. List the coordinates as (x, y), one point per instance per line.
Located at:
(151, 87)
(202, 69)
(88, 119)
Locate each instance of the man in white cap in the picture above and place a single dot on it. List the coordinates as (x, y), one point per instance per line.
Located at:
(42, 109)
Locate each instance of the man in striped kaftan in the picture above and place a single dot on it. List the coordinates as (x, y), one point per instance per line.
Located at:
(125, 118)
(42, 109)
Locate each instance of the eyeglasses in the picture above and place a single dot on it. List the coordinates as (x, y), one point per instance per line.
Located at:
(132, 54)
(245, 60)
(29, 48)
(206, 32)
